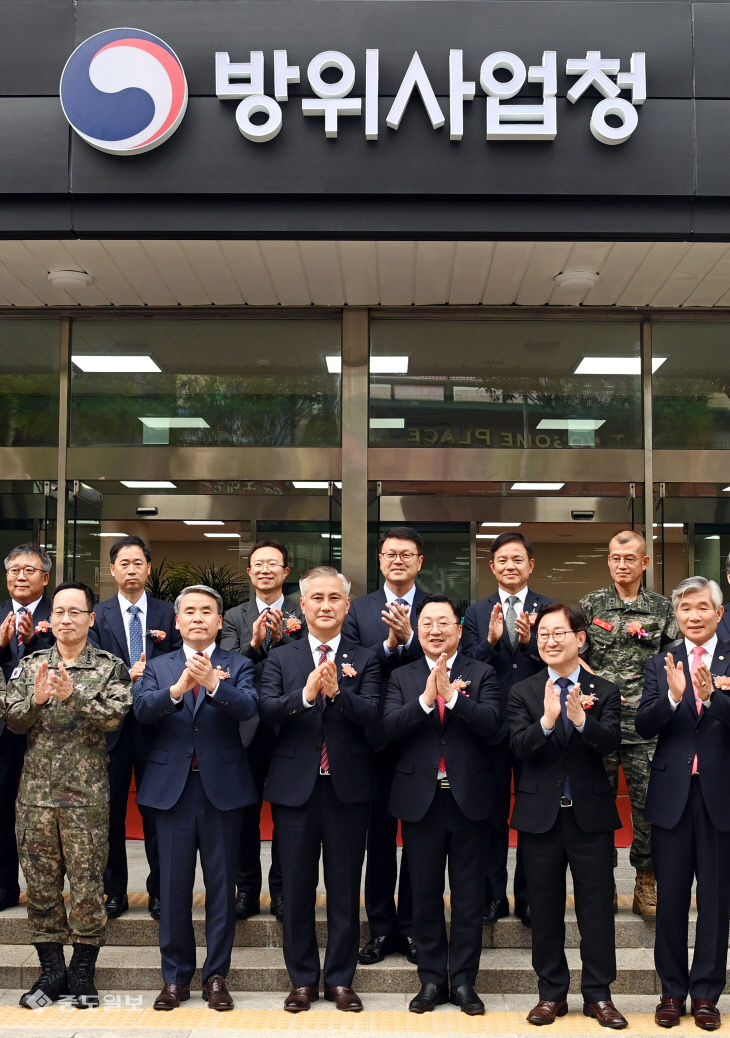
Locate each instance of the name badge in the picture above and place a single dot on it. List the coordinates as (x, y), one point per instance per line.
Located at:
(603, 624)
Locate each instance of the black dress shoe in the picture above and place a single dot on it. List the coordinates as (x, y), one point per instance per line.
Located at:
(522, 911)
(8, 899)
(154, 906)
(465, 997)
(116, 905)
(430, 996)
(277, 908)
(496, 909)
(407, 947)
(375, 950)
(246, 905)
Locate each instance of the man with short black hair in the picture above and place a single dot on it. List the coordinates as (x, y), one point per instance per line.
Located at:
(500, 630)
(381, 622)
(197, 781)
(267, 621)
(563, 722)
(24, 628)
(136, 628)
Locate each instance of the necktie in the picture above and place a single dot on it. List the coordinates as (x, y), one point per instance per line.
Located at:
(510, 618)
(267, 636)
(21, 644)
(324, 761)
(697, 653)
(194, 761)
(402, 602)
(441, 704)
(136, 645)
(564, 684)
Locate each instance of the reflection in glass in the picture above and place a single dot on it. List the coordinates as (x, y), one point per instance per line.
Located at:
(692, 387)
(506, 384)
(29, 387)
(220, 383)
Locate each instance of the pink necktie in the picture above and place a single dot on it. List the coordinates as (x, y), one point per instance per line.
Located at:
(441, 704)
(697, 653)
(324, 761)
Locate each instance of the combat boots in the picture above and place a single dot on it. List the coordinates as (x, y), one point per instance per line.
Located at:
(81, 976)
(53, 981)
(645, 895)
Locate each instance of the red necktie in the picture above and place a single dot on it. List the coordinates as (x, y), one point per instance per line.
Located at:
(324, 761)
(697, 653)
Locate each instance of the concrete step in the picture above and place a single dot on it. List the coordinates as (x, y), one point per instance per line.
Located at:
(502, 970)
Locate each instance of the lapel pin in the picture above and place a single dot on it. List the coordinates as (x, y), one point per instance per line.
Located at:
(721, 657)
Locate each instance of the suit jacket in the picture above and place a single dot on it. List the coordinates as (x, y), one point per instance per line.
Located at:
(208, 728)
(109, 633)
(463, 739)
(9, 653)
(363, 626)
(512, 663)
(341, 723)
(682, 734)
(723, 628)
(546, 760)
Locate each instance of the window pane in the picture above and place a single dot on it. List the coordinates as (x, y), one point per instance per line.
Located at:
(691, 385)
(29, 386)
(206, 383)
(506, 384)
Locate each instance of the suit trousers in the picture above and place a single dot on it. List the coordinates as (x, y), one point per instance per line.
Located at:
(547, 857)
(385, 918)
(194, 825)
(338, 830)
(693, 848)
(12, 752)
(129, 753)
(498, 845)
(248, 878)
(445, 835)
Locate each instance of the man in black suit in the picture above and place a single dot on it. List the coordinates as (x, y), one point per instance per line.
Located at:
(501, 631)
(563, 722)
(442, 711)
(686, 702)
(267, 621)
(135, 627)
(25, 627)
(322, 692)
(381, 622)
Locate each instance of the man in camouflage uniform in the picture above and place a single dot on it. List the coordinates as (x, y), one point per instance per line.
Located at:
(66, 699)
(626, 626)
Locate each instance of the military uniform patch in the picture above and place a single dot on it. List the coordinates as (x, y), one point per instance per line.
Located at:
(16, 673)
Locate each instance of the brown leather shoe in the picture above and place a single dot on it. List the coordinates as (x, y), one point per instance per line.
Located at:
(545, 1012)
(299, 999)
(706, 1014)
(171, 996)
(344, 998)
(669, 1011)
(606, 1014)
(216, 994)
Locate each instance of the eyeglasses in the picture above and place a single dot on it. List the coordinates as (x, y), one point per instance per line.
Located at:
(73, 614)
(266, 565)
(15, 571)
(439, 625)
(630, 560)
(558, 636)
(406, 556)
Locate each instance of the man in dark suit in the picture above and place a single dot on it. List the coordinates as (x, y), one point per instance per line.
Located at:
(686, 702)
(25, 627)
(267, 621)
(136, 628)
(563, 722)
(197, 781)
(381, 622)
(723, 628)
(322, 692)
(442, 711)
(500, 631)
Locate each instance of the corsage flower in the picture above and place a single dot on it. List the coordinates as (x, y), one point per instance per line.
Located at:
(635, 630)
(460, 685)
(156, 636)
(222, 675)
(587, 699)
(348, 671)
(722, 681)
(42, 627)
(293, 623)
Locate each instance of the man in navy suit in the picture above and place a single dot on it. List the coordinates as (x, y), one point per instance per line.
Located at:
(266, 622)
(686, 702)
(500, 631)
(323, 692)
(381, 622)
(24, 628)
(442, 711)
(563, 722)
(135, 627)
(197, 781)
(723, 628)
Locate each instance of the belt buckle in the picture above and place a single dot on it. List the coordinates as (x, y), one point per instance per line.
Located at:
(325, 771)
(443, 783)
(193, 767)
(565, 802)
